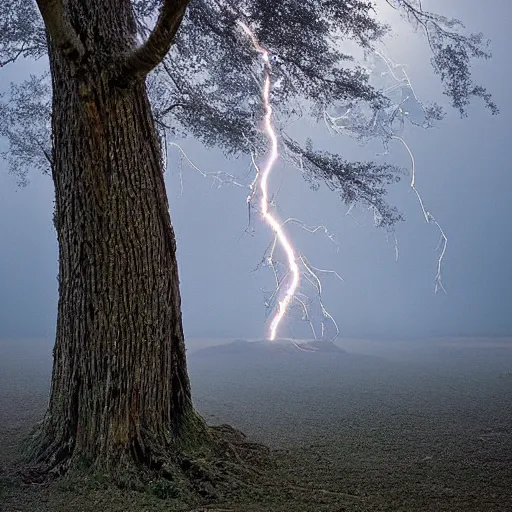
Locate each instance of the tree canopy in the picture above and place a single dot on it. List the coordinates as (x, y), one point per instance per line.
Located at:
(206, 86)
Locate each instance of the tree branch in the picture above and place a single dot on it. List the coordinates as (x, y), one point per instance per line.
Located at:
(148, 56)
(166, 111)
(60, 29)
(13, 58)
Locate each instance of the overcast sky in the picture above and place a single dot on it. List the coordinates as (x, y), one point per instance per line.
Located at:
(463, 173)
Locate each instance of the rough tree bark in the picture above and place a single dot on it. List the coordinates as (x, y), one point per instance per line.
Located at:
(120, 390)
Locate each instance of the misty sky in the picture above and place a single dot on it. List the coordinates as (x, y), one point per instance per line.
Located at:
(463, 173)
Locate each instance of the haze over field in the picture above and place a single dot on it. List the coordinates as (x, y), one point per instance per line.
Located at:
(390, 426)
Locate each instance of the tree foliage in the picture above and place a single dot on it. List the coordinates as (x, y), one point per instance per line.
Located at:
(207, 86)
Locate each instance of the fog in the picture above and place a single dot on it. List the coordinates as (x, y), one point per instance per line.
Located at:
(373, 426)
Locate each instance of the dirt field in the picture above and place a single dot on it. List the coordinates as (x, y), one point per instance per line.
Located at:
(381, 426)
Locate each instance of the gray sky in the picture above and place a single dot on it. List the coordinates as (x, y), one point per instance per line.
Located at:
(463, 173)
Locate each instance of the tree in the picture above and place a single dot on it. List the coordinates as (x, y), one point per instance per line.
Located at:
(120, 391)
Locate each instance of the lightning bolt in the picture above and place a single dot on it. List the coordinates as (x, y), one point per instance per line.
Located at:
(351, 122)
(263, 176)
(429, 218)
(296, 271)
(299, 272)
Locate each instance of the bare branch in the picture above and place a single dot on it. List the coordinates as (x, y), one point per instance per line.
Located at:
(169, 109)
(13, 58)
(148, 56)
(60, 29)
(18, 52)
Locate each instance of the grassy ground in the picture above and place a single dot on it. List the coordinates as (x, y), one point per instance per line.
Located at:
(387, 429)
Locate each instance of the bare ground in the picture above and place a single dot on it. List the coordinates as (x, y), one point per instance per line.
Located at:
(385, 426)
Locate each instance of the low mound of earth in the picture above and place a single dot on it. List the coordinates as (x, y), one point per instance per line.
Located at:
(279, 347)
(280, 392)
(281, 366)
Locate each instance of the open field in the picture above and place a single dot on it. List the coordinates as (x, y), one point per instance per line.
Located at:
(380, 426)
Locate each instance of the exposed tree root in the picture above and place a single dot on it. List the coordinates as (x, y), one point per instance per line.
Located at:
(207, 465)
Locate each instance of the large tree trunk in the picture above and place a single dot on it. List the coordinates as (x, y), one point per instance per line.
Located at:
(120, 387)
